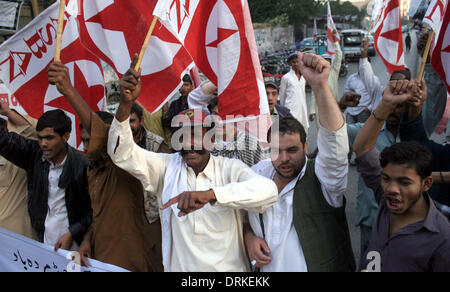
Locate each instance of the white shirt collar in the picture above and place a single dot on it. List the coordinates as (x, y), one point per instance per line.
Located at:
(52, 165)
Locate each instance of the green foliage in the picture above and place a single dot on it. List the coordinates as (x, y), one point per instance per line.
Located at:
(299, 11)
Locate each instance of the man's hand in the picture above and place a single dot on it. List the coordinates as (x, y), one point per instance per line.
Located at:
(130, 89)
(397, 92)
(58, 74)
(130, 84)
(364, 49)
(85, 252)
(350, 99)
(334, 35)
(191, 201)
(65, 242)
(4, 108)
(314, 68)
(257, 249)
(415, 104)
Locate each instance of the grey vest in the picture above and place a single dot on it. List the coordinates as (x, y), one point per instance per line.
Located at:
(322, 230)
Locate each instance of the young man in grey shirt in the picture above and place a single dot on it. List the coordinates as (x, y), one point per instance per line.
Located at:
(409, 234)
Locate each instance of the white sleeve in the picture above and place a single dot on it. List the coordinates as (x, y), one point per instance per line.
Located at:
(197, 99)
(245, 189)
(283, 90)
(338, 59)
(332, 164)
(348, 84)
(148, 167)
(369, 79)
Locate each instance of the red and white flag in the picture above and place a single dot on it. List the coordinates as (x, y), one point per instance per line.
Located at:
(25, 57)
(219, 36)
(388, 37)
(440, 57)
(330, 28)
(435, 13)
(115, 30)
(376, 10)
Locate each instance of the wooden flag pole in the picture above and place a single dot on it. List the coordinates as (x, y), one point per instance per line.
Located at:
(425, 56)
(145, 45)
(62, 7)
(368, 31)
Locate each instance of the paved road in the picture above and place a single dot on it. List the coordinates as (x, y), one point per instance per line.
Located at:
(413, 63)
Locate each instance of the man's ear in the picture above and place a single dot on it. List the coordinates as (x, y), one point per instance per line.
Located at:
(66, 137)
(427, 184)
(305, 148)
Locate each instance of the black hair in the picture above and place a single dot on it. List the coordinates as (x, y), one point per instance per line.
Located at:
(187, 78)
(136, 109)
(56, 120)
(288, 125)
(406, 72)
(412, 154)
(212, 104)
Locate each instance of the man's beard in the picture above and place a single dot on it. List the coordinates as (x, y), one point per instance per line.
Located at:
(135, 132)
(296, 169)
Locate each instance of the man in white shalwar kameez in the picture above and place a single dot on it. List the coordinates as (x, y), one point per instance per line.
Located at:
(202, 196)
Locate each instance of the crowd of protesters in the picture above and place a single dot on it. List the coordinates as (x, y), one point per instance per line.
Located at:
(180, 190)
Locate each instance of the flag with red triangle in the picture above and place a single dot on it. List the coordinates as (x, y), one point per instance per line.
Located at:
(440, 57)
(116, 30)
(25, 57)
(388, 36)
(330, 28)
(219, 36)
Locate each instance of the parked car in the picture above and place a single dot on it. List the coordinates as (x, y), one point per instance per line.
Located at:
(306, 44)
(352, 39)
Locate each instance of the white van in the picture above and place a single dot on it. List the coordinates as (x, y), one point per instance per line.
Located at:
(352, 39)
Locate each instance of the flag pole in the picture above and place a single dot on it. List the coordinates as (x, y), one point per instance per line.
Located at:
(145, 45)
(425, 55)
(368, 31)
(62, 7)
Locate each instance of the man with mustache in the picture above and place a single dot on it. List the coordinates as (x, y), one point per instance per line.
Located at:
(306, 230)
(409, 234)
(201, 195)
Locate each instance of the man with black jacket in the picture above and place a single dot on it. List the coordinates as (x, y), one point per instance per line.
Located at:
(58, 198)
